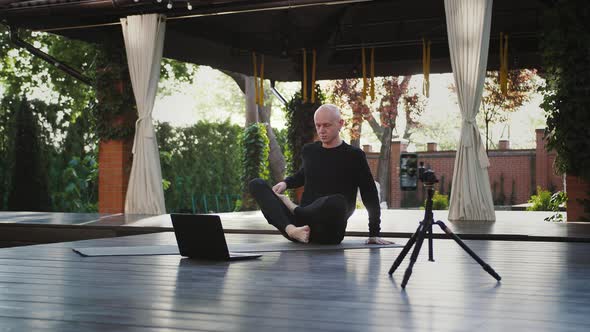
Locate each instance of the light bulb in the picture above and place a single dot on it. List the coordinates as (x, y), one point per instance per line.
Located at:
(169, 5)
(189, 6)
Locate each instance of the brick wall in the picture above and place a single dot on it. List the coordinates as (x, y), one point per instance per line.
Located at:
(514, 174)
(576, 190)
(114, 167)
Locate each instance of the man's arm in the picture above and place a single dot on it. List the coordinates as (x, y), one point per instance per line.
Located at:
(290, 182)
(369, 196)
(296, 180)
(371, 200)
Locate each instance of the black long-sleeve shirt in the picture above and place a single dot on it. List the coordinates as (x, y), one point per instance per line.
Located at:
(339, 170)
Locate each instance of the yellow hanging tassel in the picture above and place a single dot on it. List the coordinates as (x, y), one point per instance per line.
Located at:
(503, 63)
(313, 69)
(506, 64)
(364, 94)
(261, 90)
(372, 90)
(304, 83)
(256, 95)
(426, 67)
(501, 69)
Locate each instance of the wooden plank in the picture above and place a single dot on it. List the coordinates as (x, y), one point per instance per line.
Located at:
(546, 286)
(510, 225)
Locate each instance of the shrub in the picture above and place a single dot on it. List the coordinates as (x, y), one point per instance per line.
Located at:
(255, 150)
(545, 201)
(439, 201)
(199, 162)
(80, 186)
(541, 201)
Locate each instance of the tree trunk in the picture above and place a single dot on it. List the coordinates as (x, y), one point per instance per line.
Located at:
(377, 129)
(251, 107)
(407, 133)
(254, 114)
(487, 137)
(357, 142)
(276, 158)
(384, 167)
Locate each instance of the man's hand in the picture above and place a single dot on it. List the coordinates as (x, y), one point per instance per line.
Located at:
(280, 187)
(377, 240)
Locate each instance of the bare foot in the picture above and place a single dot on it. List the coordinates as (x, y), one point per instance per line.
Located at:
(300, 234)
(290, 205)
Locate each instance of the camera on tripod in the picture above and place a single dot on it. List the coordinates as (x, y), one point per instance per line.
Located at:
(410, 173)
(427, 176)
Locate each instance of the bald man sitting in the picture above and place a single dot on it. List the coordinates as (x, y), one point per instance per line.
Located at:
(332, 172)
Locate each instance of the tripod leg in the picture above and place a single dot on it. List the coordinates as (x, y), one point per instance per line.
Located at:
(483, 264)
(404, 252)
(414, 256)
(430, 244)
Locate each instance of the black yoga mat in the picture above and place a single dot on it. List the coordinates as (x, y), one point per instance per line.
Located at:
(239, 248)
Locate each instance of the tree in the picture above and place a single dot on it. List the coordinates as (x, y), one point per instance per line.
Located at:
(63, 104)
(59, 99)
(388, 108)
(414, 105)
(256, 113)
(495, 106)
(29, 185)
(347, 92)
(566, 49)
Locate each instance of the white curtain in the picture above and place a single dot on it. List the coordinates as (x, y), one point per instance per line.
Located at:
(468, 28)
(144, 43)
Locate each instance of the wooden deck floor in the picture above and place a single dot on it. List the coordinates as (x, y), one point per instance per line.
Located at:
(545, 287)
(36, 227)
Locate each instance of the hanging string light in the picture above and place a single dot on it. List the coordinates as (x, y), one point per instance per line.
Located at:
(364, 68)
(503, 63)
(426, 67)
(313, 74)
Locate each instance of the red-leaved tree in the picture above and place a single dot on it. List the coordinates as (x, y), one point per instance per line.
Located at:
(392, 90)
(495, 106)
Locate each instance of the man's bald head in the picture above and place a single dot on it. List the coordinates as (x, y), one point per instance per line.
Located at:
(329, 111)
(328, 123)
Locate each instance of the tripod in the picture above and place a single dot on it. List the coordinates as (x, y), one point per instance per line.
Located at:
(425, 229)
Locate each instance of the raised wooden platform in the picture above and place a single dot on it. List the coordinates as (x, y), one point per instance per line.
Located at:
(18, 228)
(545, 287)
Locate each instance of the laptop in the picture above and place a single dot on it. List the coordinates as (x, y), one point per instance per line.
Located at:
(201, 236)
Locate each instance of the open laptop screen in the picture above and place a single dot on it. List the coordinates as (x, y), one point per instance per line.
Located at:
(200, 236)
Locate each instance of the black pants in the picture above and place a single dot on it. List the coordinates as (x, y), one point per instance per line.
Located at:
(327, 216)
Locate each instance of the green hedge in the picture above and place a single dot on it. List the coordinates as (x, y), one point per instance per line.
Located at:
(255, 150)
(200, 161)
